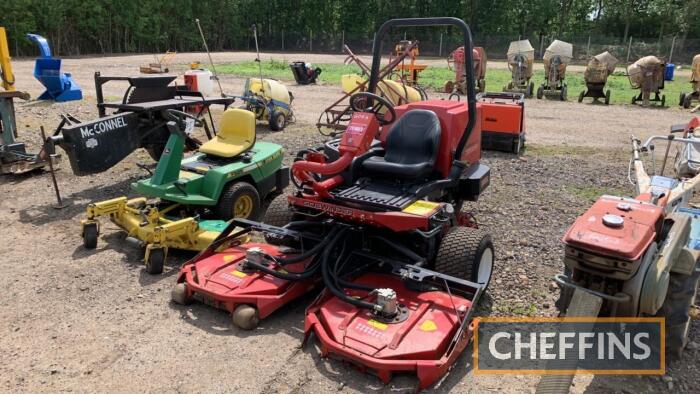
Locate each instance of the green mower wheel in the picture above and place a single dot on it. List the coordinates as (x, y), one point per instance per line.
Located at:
(245, 317)
(466, 253)
(90, 234)
(240, 200)
(155, 260)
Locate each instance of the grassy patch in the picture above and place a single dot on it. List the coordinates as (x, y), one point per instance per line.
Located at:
(591, 193)
(434, 78)
(516, 309)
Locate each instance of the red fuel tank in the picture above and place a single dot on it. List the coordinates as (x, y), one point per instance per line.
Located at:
(616, 227)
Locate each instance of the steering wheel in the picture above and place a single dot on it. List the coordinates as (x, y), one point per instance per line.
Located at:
(360, 102)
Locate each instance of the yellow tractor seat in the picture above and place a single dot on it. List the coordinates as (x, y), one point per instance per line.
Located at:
(236, 134)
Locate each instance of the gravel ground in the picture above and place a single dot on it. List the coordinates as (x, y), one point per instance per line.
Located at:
(79, 320)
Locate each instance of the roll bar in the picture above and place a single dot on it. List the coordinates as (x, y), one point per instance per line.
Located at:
(468, 48)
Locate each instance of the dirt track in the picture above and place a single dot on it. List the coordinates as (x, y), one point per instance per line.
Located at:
(78, 320)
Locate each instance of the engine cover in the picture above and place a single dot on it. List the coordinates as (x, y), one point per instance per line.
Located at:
(616, 227)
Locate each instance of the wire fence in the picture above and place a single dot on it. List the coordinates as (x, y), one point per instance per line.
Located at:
(671, 49)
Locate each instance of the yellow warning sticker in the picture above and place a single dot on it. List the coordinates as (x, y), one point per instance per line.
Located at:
(239, 274)
(228, 258)
(421, 207)
(378, 325)
(428, 326)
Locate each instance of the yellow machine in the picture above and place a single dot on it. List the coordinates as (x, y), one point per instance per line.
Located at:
(151, 228)
(409, 72)
(8, 78)
(14, 158)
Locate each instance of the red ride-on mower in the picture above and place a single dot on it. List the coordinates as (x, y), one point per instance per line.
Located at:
(404, 266)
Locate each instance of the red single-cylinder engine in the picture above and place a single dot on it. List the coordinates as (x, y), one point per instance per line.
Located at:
(612, 236)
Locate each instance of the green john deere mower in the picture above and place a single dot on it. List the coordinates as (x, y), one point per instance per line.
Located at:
(188, 201)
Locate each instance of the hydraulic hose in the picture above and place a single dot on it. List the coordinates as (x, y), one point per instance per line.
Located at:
(310, 252)
(329, 281)
(290, 276)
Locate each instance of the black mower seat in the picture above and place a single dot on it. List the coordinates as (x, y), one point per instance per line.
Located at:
(411, 147)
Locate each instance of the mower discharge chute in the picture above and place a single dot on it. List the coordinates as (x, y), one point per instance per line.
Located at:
(556, 58)
(596, 76)
(647, 75)
(686, 99)
(192, 198)
(456, 62)
(521, 55)
(639, 256)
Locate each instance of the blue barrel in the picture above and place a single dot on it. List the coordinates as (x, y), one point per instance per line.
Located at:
(670, 68)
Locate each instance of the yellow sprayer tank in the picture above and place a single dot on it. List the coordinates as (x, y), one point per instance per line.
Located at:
(396, 92)
(274, 90)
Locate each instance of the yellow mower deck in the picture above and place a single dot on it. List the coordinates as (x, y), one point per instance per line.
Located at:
(149, 225)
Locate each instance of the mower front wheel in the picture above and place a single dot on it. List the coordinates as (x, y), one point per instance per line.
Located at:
(607, 97)
(467, 253)
(155, 260)
(278, 212)
(530, 90)
(90, 234)
(681, 99)
(540, 92)
(179, 294)
(277, 121)
(580, 96)
(564, 91)
(246, 317)
(239, 200)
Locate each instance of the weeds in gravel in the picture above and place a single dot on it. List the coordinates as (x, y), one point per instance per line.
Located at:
(515, 309)
(434, 78)
(592, 192)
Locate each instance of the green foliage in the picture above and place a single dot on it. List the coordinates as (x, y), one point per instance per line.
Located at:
(76, 27)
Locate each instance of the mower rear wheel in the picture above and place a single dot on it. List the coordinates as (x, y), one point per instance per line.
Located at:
(277, 121)
(179, 294)
(245, 317)
(278, 212)
(90, 235)
(663, 100)
(155, 261)
(564, 91)
(540, 92)
(681, 99)
(466, 253)
(530, 89)
(240, 200)
(607, 97)
(580, 96)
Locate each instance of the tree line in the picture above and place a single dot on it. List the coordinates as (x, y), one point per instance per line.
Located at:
(79, 27)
